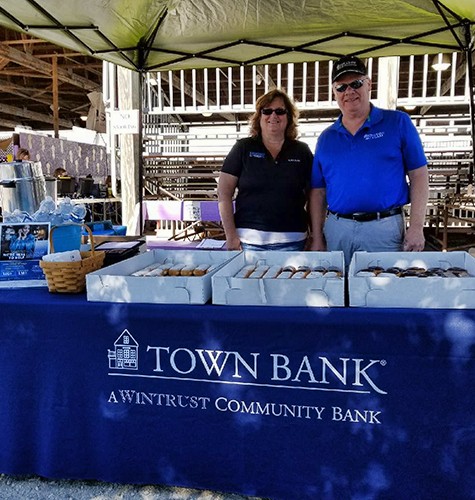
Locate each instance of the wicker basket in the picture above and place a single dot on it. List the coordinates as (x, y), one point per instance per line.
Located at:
(70, 277)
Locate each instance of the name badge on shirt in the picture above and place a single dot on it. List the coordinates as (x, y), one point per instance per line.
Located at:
(256, 154)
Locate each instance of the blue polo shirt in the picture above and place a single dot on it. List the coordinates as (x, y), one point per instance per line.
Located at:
(367, 172)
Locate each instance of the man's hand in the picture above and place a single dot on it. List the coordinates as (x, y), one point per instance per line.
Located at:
(318, 243)
(414, 240)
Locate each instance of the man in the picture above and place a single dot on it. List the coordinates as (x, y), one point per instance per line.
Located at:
(359, 184)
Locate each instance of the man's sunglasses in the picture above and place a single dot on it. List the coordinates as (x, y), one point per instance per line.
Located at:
(277, 111)
(355, 84)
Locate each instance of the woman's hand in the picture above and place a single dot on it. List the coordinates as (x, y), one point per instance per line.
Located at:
(233, 243)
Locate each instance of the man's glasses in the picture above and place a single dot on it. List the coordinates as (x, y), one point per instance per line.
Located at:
(355, 84)
(277, 111)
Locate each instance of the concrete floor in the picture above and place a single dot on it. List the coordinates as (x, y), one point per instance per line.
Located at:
(36, 488)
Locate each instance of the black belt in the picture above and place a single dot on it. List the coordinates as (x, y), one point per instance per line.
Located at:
(367, 216)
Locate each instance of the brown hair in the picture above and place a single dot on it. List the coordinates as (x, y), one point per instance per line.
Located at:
(22, 152)
(291, 131)
(59, 172)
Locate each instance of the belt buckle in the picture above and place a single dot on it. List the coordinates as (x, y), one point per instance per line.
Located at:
(360, 216)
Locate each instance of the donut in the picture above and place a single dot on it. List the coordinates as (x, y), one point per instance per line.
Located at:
(201, 270)
(175, 270)
(314, 274)
(146, 270)
(376, 269)
(290, 269)
(396, 271)
(285, 275)
(259, 272)
(299, 275)
(187, 270)
(245, 271)
(459, 272)
(161, 270)
(365, 273)
(320, 269)
(335, 272)
(272, 272)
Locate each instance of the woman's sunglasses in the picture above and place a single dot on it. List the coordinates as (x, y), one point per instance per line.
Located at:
(277, 111)
(355, 84)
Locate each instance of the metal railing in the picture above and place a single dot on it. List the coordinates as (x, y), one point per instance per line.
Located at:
(235, 90)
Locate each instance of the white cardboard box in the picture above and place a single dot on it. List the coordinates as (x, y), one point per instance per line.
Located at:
(317, 292)
(430, 292)
(114, 283)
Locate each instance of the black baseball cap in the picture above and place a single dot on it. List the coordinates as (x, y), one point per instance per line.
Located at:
(348, 64)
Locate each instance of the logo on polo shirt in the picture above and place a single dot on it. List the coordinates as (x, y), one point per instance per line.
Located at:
(256, 154)
(378, 135)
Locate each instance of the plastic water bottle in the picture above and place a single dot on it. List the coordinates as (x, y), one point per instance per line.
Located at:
(48, 205)
(66, 207)
(78, 213)
(56, 218)
(16, 216)
(41, 215)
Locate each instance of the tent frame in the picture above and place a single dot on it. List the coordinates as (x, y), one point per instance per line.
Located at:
(145, 46)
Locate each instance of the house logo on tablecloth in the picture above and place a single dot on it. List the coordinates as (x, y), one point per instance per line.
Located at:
(125, 355)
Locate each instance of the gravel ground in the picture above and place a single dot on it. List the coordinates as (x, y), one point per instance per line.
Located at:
(37, 488)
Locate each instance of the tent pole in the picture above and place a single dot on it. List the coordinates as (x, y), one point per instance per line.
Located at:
(472, 110)
(141, 56)
(140, 146)
(471, 104)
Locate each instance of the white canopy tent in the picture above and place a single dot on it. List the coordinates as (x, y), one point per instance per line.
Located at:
(176, 34)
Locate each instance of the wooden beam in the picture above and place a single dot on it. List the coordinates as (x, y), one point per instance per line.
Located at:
(30, 41)
(35, 95)
(32, 115)
(45, 68)
(24, 92)
(8, 124)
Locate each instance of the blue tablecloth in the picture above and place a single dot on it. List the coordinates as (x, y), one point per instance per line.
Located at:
(287, 403)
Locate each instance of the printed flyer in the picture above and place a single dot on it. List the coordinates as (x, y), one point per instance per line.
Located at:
(22, 247)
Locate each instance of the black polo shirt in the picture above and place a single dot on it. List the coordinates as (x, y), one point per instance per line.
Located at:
(272, 194)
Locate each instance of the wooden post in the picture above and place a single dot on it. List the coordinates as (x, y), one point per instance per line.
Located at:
(388, 75)
(128, 88)
(55, 97)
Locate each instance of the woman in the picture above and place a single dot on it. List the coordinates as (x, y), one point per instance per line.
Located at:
(23, 155)
(60, 172)
(271, 170)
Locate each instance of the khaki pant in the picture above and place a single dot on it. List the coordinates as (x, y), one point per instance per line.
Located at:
(349, 236)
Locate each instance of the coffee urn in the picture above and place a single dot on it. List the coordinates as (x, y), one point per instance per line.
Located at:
(22, 186)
